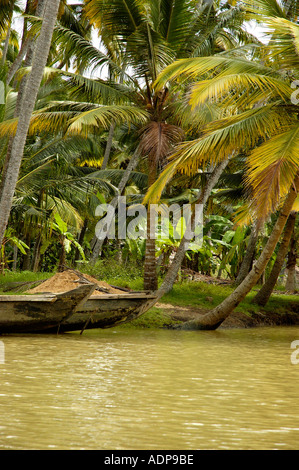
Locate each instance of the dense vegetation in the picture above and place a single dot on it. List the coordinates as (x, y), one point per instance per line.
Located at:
(173, 102)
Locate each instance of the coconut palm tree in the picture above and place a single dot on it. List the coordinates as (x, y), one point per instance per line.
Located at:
(148, 36)
(260, 116)
(266, 290)
(292, 256)
(141, 38)
(10, 176)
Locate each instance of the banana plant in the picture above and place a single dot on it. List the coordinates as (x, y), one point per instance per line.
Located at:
(66, 239)
(10, 238)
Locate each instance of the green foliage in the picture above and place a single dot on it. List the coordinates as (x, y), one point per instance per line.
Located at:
(67, 238)
(153, 318)
(12, 277)
(115, 272)
(238, 96)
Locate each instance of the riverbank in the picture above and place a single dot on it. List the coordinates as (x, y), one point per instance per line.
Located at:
(190, 299)
(195, 297)
(187, 300)
(236, 319)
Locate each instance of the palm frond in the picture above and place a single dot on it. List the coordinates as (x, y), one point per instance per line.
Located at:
(66, 210)
(118, 17)
(157, 140)
(84, 88)
(258, 9)
(234, 85)
(103, 116)
(189, 70)
(172, 18)
(77, 118)
(272, 168)
(87, 55)
(221, 140)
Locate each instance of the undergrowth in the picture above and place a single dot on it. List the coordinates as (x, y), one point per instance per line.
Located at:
(194, 294)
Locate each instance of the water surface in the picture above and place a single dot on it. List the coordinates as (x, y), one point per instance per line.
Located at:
(154, 390)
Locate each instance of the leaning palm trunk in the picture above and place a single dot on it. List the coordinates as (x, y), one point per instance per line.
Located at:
(178, 259)
(265, 292)
(6, 44)
(291, 265)
(39, 61)
(213, 319)
(175, 266)
(249, 256)
(27, 47)
(108, 147)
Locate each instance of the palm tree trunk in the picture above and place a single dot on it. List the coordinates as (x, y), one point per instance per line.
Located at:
(291, 265)
(25, 49)
(150, 279)
(108, 147)
(6, 44)
(39, 61)
(27, 257)
(30, 48)
(175, 266)
(15, 258)
(36, 253)
(62, 256)
(213, 319)
(26, 42)
(179, 256)
(265, 292)
(18, 61)
(249, 256)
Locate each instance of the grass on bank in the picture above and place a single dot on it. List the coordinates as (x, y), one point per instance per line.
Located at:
(194, 294)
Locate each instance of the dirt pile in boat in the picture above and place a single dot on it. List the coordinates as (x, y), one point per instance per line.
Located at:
(68, 280)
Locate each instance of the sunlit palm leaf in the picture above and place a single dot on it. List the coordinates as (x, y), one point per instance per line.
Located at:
(200, 67)
(223, 84)
(221, 140)
(77, 118)
(272, 168)
(296, 204)
(103, 116)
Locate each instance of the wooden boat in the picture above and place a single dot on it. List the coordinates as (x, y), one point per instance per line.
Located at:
(106, 311)
(38, 313)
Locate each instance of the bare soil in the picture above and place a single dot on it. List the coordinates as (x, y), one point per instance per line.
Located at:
(68, 280)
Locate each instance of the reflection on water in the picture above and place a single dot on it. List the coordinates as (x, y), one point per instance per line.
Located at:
(154, 390)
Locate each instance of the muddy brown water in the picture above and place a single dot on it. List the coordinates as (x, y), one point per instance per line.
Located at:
(128, 389)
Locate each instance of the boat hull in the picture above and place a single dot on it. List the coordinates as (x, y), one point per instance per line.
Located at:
(37, 313)
(106, 311)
